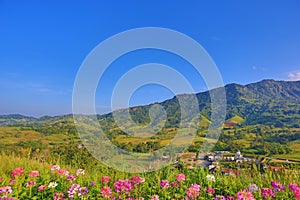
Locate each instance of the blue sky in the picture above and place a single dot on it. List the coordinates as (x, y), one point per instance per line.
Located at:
(43, 43)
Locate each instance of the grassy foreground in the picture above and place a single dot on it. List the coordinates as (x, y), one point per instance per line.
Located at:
(22, 178)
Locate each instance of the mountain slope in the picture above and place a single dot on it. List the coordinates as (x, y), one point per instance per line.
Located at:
(267, 102)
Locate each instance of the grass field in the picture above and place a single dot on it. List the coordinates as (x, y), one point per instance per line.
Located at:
(295, 155)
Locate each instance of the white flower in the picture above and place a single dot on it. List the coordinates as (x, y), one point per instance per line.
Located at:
(52, 185)
(210, 178)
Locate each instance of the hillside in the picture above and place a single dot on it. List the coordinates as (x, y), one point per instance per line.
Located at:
(267, 102)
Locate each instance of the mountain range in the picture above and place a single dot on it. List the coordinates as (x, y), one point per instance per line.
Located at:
(267, 102)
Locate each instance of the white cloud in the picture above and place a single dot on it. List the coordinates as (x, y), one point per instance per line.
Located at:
(294, 76)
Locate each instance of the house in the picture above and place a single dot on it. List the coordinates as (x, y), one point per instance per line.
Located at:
(231, 124)
(238, 155)
(276, 168)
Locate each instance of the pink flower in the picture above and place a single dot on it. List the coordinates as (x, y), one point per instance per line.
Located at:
(106, 192)
(55, 167)
(155, 197)
(220, 197)
(83, 191)
(164, 184)
(193, 191)
(210, 191)
(17, 172)
(59, 196)
(245, 195)
(34, 174)
(267, 193)
(12, 181)
(105, 179)
(6, 198)
(293, 187)
(71, 178)
(196, 186)
(29, 183)
(175, 184)
(80, 171)
(42, 187)
(136, 180)
(297, 195)
(73, 190)
(5, 190)
(180, 178)
(277, 186)
(63, 172)
(230, 198)
(123, 185)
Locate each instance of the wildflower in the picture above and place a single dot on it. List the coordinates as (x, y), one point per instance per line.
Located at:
(175, 184)
(196, 186)
(82, 191)
(12, 181)
(210, 178)
(29, 183)
(277, 186)
(80, 172)
(219, 198)
(6, 198)
(34, 174)
(267, 193)
(55, 167)
(193, 191)
(230, 198)
(59, 196)
(136, 180)
(41, 187)
(293, 187)
(244, 195)
(17, 172)
(106, 192)
(63, 172)
(164, 184)
(52, 185)
(252, 188)
(180, 178)
(73, 190)
(105, 179)
(1, 179)
(71, 178)
(210, 191)
(123, 185)
(155, 197)
(92, 183)
(297, 195)
(5, 190)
